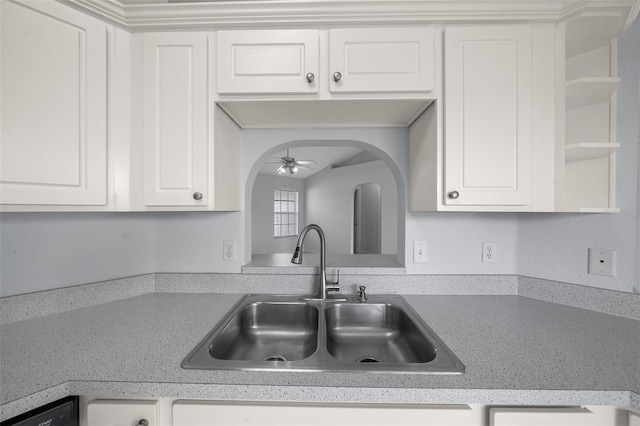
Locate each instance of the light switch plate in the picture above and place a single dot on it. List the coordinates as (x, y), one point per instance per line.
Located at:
(602, 262)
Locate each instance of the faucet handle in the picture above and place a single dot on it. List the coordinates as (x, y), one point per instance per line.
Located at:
(362, 296)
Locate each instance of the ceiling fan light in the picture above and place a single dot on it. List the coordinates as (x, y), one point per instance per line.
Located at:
(281, 170)
(294, 169)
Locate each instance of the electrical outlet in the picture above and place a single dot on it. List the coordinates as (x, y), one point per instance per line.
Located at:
(229, 251)
(419, 252)
(602, 262)
(488, 252)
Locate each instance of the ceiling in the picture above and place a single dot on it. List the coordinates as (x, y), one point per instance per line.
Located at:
(322, 155)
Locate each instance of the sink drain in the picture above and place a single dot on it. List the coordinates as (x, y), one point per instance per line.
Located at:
(367, 359)
(275, 358)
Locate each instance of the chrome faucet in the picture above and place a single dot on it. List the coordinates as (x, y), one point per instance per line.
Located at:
(297, 259)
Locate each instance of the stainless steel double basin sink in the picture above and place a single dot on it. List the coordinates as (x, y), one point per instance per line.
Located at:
(288, 333)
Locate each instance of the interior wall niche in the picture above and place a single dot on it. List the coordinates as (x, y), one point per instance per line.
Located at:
(326, 198)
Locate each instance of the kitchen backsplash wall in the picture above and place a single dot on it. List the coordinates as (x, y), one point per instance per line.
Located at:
(42, 251)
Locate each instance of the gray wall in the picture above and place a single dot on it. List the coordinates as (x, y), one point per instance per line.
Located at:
(330, 205)
(40, 251)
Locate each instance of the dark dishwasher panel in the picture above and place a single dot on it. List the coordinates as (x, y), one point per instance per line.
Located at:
(63, 412)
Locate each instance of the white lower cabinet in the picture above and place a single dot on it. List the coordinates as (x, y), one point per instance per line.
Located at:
(554, 416)
(122, 413)
(201, 413)
(175, 412)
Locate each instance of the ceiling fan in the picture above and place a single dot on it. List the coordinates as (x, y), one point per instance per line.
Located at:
(290, 164)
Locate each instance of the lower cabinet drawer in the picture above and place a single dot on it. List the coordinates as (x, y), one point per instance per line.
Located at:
(122, 413)
(552, 416)
(197, 413)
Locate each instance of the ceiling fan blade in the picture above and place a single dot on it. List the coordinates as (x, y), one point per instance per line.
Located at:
(303, 167)
(305, 162)
(273, 162)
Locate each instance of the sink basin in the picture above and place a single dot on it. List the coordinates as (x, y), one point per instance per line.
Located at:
(378, 332)
(264, 331)
(290, 333)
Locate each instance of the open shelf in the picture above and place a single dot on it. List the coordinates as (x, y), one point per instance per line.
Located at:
(588, 151)
(590, 32)
(590, 90)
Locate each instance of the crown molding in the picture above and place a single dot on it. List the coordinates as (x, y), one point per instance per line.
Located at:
(110, 11)
(633, 14)
(155, 15)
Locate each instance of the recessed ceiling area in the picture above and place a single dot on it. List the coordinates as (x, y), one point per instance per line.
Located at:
(325, 113)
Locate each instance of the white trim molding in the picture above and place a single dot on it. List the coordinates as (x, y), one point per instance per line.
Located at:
(148, 15)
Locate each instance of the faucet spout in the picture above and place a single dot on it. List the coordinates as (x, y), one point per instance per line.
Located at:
(297, 256)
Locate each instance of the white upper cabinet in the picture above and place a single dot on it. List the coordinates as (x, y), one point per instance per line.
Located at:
(191, 152)
(382, 60)
(175, 119)
(490, 145)
(270, 61)
(365, 60)
(54, 106)
(488, 115)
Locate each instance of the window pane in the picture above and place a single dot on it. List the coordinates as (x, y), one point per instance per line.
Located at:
(285, 213)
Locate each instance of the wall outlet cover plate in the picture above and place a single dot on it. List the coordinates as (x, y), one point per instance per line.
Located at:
(602, 262)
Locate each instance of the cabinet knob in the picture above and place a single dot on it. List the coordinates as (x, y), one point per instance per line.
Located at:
(454, 195)
(197, 195)
(337, 76)
(310, 77)
(142, 422)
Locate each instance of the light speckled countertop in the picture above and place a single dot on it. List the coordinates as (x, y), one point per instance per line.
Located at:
(517, 351)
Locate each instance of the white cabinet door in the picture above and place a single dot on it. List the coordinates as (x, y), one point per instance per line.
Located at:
(634, 419)
(488, 115)
(122, 413)
(187, 413)
(267, 61)
(382, 60)
(54, 100)
(553, 416)
(175, 119)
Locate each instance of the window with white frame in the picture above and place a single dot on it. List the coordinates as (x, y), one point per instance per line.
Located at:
(285, 213)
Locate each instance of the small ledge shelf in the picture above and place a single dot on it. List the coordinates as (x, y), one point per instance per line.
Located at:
(590, 90)
(599, 210)
(589, 151)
